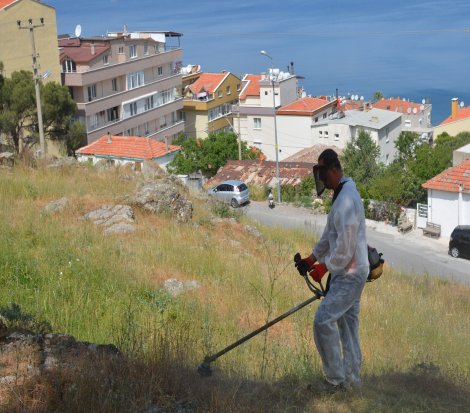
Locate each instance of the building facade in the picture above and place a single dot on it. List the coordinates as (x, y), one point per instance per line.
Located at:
(208, 101)
(340, 128)
(126, 83)
(254, 118)
(16, 50)
(458, 121)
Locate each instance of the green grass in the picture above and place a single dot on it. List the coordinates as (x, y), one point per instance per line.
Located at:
(109, 289)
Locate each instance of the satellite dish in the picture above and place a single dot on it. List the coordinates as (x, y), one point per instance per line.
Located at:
(462, 104)
(415, 111)
(78, 30)
(423, 101)
(408, 110)
(361, 98)
(421, 107)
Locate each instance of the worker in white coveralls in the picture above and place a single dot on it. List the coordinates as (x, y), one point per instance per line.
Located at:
(342, 250)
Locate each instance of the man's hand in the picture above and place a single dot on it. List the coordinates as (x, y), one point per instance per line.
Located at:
(304, 265)
(318, 271)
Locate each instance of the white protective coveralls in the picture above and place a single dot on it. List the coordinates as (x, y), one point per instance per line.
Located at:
(343, 249)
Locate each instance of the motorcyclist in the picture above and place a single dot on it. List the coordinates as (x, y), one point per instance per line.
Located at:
(270, 199)
(343, 251)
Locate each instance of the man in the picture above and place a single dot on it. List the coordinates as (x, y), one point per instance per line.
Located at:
(343, 250)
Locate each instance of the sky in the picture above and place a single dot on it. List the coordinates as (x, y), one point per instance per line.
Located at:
(409, 48)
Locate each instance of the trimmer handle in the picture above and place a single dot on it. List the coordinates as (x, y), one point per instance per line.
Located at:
(302, 266)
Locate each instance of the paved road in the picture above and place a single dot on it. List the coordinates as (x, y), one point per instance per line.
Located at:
(411, 253)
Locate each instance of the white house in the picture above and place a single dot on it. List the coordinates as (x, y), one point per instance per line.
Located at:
(340, 128)
(449, 197)
(128, 150)
(461, 154)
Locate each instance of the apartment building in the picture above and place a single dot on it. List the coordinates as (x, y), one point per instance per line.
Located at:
(458, 121)
(416, 117)
(15, 47)
(126, 83)
(254, 117)
(208, 101)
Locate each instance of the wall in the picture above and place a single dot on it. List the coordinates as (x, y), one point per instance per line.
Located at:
(453, 128)
(443, 210)
(15, 50)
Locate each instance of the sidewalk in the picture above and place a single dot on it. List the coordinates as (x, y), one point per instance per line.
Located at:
(415, 234)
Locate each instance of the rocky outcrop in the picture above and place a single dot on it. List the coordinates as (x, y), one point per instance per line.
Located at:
(176, 287)
(163, 196)
(24, 354)
(56, 206)
(114, 218)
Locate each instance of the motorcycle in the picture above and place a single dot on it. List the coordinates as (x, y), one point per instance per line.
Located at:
(271, 203)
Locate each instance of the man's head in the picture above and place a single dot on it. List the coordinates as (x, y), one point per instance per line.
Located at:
(328, 171)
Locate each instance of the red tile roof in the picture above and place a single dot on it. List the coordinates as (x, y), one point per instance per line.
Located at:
(451, 179)
(252, 86)
(397, 105)
(135, 147)
(5, 3)
(462, 113)
(81, 52)
(305, 106)
(208, 82)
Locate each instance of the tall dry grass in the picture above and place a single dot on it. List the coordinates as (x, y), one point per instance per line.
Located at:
(102, 288)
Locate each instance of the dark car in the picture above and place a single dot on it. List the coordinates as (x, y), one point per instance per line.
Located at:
(459, 244)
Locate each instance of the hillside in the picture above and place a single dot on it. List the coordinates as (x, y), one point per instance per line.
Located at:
(170, 290)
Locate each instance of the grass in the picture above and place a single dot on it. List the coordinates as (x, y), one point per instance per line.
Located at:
(109, 289)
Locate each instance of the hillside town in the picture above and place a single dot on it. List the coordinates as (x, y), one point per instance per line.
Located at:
(135, 96)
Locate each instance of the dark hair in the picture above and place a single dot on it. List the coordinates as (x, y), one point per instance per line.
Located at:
(330, 158)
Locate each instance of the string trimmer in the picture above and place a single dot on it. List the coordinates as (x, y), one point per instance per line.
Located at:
(205, 369)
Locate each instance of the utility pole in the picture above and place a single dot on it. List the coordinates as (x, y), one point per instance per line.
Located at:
(30, 26)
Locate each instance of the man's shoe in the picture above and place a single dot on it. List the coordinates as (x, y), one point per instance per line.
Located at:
(326, 387)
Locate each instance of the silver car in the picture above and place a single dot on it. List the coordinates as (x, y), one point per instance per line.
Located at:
(235, 193)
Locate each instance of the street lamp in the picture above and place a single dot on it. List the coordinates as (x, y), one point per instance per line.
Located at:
(271, 76)
(30, 26)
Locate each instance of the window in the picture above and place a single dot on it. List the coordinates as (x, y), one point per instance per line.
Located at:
(121, 50)
(256, 123)
(227, 90)
(265, 93)
(336, 136)
(320, 133)
(135, 79)
(93, 122)
(408, 123)
(324, 116)
(69, 66)
(112, 114)
(219, 93)
(106, 59)
(114, 84)
(316, 119)
(146, 128)
(132, 51)
(149, 103)
(163, 122)
(386, 135)
(160, 70)
(326, 134)
(238, 87)
(91, 92)
(146, 49)
(133, 108)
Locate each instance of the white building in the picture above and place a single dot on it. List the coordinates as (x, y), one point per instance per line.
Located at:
(253, 118)
(340, 128)
(449, 198)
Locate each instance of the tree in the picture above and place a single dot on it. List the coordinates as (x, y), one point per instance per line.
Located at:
(58, 110)
(406, 145)
(208, 155)
(75, 137)
(18, 107)
(378, 95)
(360, 159)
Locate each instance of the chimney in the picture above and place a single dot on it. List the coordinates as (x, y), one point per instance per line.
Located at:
(166, 144)
(455, 107)
(109, 138)
(92, 49)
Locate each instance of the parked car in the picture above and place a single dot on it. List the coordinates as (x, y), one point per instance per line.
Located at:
(459, 244)
(235, 193)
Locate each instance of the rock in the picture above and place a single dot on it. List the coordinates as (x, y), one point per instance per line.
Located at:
(120, 228)
(163, 196)
(253, 231)
(151, 169)
(175, 287)
(56, 206)
(115, 218)
(7, 159)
